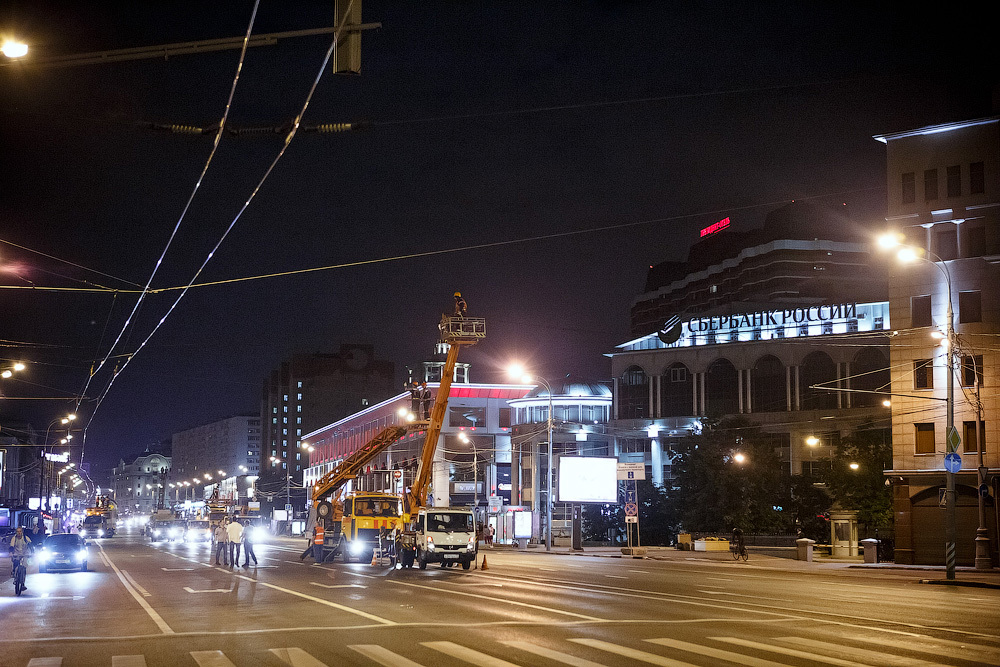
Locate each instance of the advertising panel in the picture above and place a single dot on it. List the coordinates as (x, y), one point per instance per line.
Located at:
(588, 479)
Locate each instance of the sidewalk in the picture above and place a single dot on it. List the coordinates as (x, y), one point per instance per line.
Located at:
(927, 574)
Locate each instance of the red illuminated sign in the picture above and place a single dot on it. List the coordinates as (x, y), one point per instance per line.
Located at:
(717, 227)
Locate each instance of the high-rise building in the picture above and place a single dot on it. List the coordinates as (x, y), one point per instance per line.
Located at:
(228, 447)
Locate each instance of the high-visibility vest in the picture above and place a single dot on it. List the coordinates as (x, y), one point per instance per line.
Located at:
(318, 539)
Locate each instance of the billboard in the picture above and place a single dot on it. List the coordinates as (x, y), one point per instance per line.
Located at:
(588, 479)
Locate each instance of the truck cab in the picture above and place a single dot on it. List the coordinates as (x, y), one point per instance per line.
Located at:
(366, 517)
(445, 535)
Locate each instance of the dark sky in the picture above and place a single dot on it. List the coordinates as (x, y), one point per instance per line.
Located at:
(527, 123)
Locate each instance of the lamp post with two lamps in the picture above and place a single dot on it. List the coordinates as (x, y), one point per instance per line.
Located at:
(44, 483)
(517, 371)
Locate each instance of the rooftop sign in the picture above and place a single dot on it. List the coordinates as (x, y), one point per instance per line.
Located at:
(717, 227)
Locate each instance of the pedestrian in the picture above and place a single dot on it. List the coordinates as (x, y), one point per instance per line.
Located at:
(425, 401)
(235, 532)
(489, 535)
(221, 545)
(460, 305)
(248, 545)
(310, 541)
(415, 399)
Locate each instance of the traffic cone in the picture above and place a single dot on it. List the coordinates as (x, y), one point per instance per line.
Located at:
(484, 566)
(374, 559)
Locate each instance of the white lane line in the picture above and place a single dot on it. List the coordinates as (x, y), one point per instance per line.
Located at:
(132, 581)
(177, 569)
(160, 623)
(316, 583)
(795, 653)
(741, 595)
(296, 657)
(631, 653)
(946, 648)
(210, 590)
(830, 648)
(128, 661)
(615, 576)
(211, 659)
(640, 571)
(350, 610)
(468, 655)
(500, 600)
(700, 649)
(45, 662)
(383, 656)
(550, 654)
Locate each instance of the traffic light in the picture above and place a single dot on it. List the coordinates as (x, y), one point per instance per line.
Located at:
(347, 57)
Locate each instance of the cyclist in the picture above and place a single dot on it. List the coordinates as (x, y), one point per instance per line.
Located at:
(20, 546)
(739, 546)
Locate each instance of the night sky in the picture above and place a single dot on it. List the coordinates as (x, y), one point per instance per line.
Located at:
(558, 149)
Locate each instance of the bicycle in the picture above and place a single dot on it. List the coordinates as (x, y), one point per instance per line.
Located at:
(20, 574)
(739, 550)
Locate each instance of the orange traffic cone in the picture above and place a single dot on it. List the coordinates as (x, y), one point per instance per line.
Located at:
(374, 559)
(484, 566)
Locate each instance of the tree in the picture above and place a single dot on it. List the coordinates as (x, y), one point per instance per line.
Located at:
(863, 489)
(657, 519)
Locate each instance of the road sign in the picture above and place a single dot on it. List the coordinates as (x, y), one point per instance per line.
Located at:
(629, 471)
(288, 508)
(631, 509)
(953, 439)
(952, 462)
(397, 474)
(495, 503)
(631, 519)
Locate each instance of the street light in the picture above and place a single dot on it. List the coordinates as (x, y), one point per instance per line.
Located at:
(516, 370)
(65, 421)
(14, 49)
(908, 254)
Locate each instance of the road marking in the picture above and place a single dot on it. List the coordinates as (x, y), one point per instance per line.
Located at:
(316, 583)
(556, 656)
(943, 647)
(383, 656)
(211, 659)
(469, 655)
(806, 655)
(210, 590)
(501, 600)
(128, 661)
(858, 653)
(132, 581)
(632, 653)
(700, 649)
(350, 610)
(45, 662)
(296, 657)
(742, 595)
(46, 597)
(640, 571)
(177, 569)
(615, 576)
(160, 623)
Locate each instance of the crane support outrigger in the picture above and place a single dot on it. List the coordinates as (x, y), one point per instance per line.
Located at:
(351, 526)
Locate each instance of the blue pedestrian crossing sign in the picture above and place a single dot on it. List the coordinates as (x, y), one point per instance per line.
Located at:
(952, 462)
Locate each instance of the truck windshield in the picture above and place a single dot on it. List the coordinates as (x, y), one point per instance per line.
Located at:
(444, 522)
(93, 519)
(365, 507)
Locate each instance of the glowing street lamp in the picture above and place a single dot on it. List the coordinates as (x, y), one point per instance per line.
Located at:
(14, 49)
(517, 371)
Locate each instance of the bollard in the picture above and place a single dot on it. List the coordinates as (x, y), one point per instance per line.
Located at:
(805, 549)
(871, 550)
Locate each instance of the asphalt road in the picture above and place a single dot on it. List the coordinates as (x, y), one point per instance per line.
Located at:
(168, 604)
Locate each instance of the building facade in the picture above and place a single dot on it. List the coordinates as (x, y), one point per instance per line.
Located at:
(225, 448)
(140, 487)
(943, 185)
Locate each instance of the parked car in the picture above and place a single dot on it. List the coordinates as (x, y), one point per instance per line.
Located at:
(63, 551)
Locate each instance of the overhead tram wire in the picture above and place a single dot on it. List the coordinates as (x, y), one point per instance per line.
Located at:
(173, 234)
(288, 139)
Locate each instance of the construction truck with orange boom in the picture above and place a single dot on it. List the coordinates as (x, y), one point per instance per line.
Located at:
(362, 524)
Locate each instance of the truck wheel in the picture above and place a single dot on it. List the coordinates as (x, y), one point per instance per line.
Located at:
(466, 564)
(422, 560)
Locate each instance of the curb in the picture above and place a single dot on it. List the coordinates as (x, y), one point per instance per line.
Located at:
(963, 583)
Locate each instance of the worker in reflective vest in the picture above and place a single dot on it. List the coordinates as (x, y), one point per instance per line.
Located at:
(318, 538)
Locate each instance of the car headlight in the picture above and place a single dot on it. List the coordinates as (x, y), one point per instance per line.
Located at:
(83, 532)
(81, 554)
(471, 546)
(44, 556)
(100, 533)
(257, 533)
(156, 532)
(430, 544)
(356, 547)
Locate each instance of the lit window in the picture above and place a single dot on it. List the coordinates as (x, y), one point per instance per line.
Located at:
(925, 438)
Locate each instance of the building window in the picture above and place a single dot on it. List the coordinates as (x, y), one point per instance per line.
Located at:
(930, 185)
(969, 436)
(852, 326)
(946, 241)
(909, 194)
(925, 438)
(504, 421)
(923, 374)
(827, 327)
(298, 385)
(970, 307)
(972, 370)
(920, 311)
(977, 178)
(678, 374)
(954, 177)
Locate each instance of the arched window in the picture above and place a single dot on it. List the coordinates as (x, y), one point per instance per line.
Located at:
(768, 386)
(633, 394)
(869, 372)
(818, 369)
(722, 390)
(675, 392)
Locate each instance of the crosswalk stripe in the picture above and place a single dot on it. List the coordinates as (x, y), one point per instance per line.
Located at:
(861, 653)
(128, 661)
(211, 659)
(296, 657)
(700, 649)
(632, 653)
(45, 662)
(467, 654)
(792, 652)
(945, 648)
(556, 656)
(383, 656)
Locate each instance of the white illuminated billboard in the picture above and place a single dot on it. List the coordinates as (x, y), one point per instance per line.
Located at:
(588, 479)
(522, 524)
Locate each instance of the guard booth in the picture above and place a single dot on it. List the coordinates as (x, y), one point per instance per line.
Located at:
(843, 533)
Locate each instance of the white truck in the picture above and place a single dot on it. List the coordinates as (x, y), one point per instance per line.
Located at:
(445, 535)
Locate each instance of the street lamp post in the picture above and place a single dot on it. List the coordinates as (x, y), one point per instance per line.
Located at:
(527, 379)
(908, 254)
